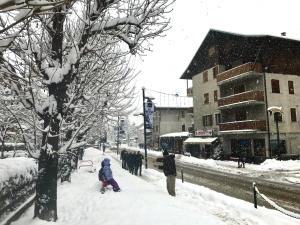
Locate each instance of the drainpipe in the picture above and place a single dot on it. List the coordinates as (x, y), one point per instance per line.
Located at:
(267, 113)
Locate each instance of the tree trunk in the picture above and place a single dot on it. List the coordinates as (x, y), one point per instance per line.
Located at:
(46, 186)
(2, 149)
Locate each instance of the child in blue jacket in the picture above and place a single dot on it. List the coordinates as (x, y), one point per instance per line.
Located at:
(107, 176)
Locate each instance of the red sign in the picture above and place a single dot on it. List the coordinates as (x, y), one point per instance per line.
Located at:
(203, 133)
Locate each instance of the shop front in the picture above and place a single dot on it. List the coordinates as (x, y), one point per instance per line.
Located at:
(201, 147)
(173, 142)
(253, 148)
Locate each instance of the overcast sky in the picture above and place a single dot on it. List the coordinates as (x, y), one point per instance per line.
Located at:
(191, 20)
(161, 69)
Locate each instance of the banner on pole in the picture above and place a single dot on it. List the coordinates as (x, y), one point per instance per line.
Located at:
(149, 111)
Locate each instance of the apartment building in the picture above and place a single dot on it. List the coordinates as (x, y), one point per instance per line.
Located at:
(236, 79)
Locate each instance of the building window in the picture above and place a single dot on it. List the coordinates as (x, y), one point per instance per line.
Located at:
(241, 115)
(259, 147)
(156, 128)
(207, 120)
(239, 89)
(206, 98)
(215, 72)
(183, 127)
(205, 76)
(215, 95)
(218, 118)
(275, 86)
(291, 87)
(293, 115)
(182, 114)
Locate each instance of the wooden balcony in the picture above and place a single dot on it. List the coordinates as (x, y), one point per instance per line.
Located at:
(244, 98)
(247, 69)
(246, 125)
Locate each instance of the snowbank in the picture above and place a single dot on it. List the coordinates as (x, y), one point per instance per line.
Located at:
(273, 164)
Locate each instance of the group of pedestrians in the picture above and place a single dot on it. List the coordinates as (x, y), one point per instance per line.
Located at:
(132, 161)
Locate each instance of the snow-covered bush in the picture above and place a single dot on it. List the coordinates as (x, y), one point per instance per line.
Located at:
(17, 181)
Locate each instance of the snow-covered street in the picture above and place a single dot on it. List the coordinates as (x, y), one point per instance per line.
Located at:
(144, 200)
(287, 172)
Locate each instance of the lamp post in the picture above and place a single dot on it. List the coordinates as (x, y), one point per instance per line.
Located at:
(118, 135)
(145, 134)
(145, 125)
(277, 115)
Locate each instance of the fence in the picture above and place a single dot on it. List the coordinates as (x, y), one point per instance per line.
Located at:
(272, 203)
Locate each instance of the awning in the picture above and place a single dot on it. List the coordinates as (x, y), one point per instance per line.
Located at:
(199, 140)
(178, 134)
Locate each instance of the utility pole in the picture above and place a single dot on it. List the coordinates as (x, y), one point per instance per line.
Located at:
(277, 117)
(118, 135)
(145, 134)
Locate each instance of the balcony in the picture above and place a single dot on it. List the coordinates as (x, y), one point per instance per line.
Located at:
(242, 126)
(240, 72)
(241, 99)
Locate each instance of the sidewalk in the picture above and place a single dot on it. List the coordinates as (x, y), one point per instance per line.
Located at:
(144, 201)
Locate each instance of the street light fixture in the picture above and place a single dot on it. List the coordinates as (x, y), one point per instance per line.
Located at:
(277, 115)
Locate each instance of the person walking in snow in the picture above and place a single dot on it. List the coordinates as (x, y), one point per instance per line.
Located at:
(106, 176)
(140, 162)
(103, 148)
(169, 169)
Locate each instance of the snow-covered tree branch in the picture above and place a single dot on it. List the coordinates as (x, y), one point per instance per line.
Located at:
(68, 61)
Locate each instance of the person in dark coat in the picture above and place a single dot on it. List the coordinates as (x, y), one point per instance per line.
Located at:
(123, 157)
(140, 162)
(103, 148)
(169, 169)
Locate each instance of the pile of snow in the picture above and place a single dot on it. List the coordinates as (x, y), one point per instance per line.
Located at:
(17, 153)
(144, 200)
(273, 164)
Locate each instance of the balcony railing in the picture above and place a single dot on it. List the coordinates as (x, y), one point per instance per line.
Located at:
(236, 71)
(248, 97)
(250, 125)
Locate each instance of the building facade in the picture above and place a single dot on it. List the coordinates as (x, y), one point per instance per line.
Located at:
(236, 79)
(170, 120)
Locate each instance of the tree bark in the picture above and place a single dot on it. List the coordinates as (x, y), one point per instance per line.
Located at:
(2, 148)
(46, 186)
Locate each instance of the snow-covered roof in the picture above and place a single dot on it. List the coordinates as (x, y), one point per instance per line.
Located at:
(178, 134)
(275, 109)
(199, 140)
(238, 131)
(173, 101)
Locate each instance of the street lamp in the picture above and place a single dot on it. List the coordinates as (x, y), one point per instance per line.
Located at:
(277, 115)
(149, 99)
(118, 135)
